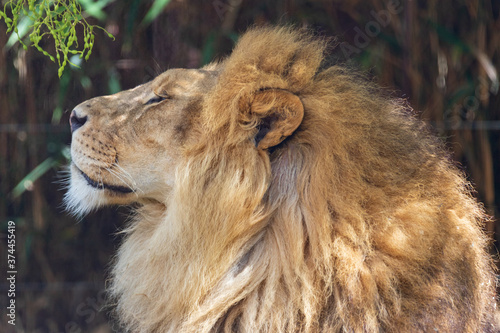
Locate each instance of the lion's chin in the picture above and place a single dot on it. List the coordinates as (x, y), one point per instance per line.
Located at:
(86, 195)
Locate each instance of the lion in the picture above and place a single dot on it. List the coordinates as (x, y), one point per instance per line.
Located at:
(272, 193)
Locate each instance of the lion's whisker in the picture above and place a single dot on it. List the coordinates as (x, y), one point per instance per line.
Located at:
(130, 186)
(125, 173)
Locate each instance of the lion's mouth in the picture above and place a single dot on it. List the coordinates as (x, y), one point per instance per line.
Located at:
(103, 186)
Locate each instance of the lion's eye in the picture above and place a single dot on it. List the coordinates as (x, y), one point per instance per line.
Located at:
(156, 99)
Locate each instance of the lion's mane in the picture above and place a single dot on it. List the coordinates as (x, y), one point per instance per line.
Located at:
(357, 222)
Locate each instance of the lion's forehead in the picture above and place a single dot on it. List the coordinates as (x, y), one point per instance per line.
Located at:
(184, 81)
(180, 84)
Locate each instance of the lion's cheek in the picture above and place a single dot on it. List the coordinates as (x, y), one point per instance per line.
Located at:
(150, 170)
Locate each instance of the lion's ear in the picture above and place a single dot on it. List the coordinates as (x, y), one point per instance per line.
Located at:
(280, 114)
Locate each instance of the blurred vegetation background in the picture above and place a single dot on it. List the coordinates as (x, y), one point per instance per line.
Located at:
(442, 56)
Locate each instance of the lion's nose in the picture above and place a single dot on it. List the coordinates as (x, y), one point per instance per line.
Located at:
(76, 122)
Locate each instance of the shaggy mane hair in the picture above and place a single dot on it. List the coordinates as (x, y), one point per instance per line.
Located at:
(358, 222)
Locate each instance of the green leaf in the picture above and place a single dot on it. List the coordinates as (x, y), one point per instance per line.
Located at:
(449, 37)
(154, 11)
(46, 17)
(113, 82)
(57, 114)
(208, 50)
(66, 152)
(94, 9)
(31, 177)
(23, 27)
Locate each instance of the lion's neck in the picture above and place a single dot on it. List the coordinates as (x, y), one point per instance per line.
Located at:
(166, 257)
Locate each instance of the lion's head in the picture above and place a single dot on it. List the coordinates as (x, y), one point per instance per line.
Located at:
(126, 146)
(275, 195)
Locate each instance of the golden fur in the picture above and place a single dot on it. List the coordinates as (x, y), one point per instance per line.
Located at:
(278, 196)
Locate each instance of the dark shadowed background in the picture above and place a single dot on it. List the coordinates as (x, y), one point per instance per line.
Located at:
(442, 56)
